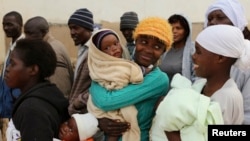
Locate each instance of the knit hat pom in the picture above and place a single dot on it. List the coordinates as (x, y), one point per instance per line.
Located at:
(156, 27)
(82, 17)
(129, 20)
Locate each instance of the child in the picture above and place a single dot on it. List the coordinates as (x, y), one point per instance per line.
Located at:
(217, 48)
(109, 69)
(80, 127)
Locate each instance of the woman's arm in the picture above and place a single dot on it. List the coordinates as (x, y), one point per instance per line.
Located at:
(155, 83)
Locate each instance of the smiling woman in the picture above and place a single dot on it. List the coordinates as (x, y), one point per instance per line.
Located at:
(153, 36)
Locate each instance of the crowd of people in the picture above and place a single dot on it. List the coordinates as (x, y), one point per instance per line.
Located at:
(159, 86)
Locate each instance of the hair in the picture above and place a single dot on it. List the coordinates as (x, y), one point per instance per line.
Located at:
(40, 22)
(183, 21)
(246, 33)
(37, 52)
(17, 15)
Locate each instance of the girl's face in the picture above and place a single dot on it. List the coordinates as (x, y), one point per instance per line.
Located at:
(148, 50)
(68, 131)
(111, 46)
(17, 74)
(204, 61)
(178, 32)
(218, 17)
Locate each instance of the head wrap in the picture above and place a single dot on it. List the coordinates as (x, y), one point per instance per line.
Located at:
(227, 41)
(156, 27)
(82, 17)
(86, 125)
(232, 9)
(129, 20)
(97, 38)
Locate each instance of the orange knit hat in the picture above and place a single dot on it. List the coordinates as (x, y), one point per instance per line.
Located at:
(156, 27)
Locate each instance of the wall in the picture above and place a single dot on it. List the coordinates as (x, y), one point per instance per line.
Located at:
(106, 12)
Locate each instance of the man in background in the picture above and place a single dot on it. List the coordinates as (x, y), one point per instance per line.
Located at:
(128, 23)
(12, 26)
(38, 28)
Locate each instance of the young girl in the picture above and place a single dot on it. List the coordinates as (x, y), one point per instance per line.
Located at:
(41, 107)
(217, 48)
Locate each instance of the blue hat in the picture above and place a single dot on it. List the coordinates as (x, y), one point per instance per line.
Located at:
(82, 17)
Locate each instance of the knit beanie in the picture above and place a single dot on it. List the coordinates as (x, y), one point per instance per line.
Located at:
(86, 125)
(155, 27)
(129, 20)
(97, 38)
(82, 17)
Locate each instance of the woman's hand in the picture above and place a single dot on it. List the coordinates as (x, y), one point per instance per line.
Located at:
(113, 127)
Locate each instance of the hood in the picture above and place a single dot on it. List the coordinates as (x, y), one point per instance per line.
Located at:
(44, 91)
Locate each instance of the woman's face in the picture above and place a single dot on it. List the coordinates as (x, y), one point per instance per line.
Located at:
(203, 61)
(178, 32)
(111, 46)
(148, 50)
(68, 131)
(218, 17)
(17, 74)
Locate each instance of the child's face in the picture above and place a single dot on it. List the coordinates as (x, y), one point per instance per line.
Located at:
(204, 61)
(68, 131)
(17, 74)
(111, 46)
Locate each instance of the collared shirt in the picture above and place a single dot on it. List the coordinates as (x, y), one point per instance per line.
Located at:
(82, 54)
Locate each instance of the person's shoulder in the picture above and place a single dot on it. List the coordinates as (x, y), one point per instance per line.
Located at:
(229, 90)
(156, 73)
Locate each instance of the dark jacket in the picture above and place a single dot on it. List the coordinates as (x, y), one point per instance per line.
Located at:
(38, 113)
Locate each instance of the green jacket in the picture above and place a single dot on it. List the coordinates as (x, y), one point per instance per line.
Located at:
(144, 96)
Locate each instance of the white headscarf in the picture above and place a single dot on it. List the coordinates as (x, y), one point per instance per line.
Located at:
(232, 9)
(228, 41)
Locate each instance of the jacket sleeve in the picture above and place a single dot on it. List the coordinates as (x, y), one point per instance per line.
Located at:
(155, 84)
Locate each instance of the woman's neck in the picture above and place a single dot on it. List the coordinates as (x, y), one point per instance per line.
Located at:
(178, 45)
(214, 84)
